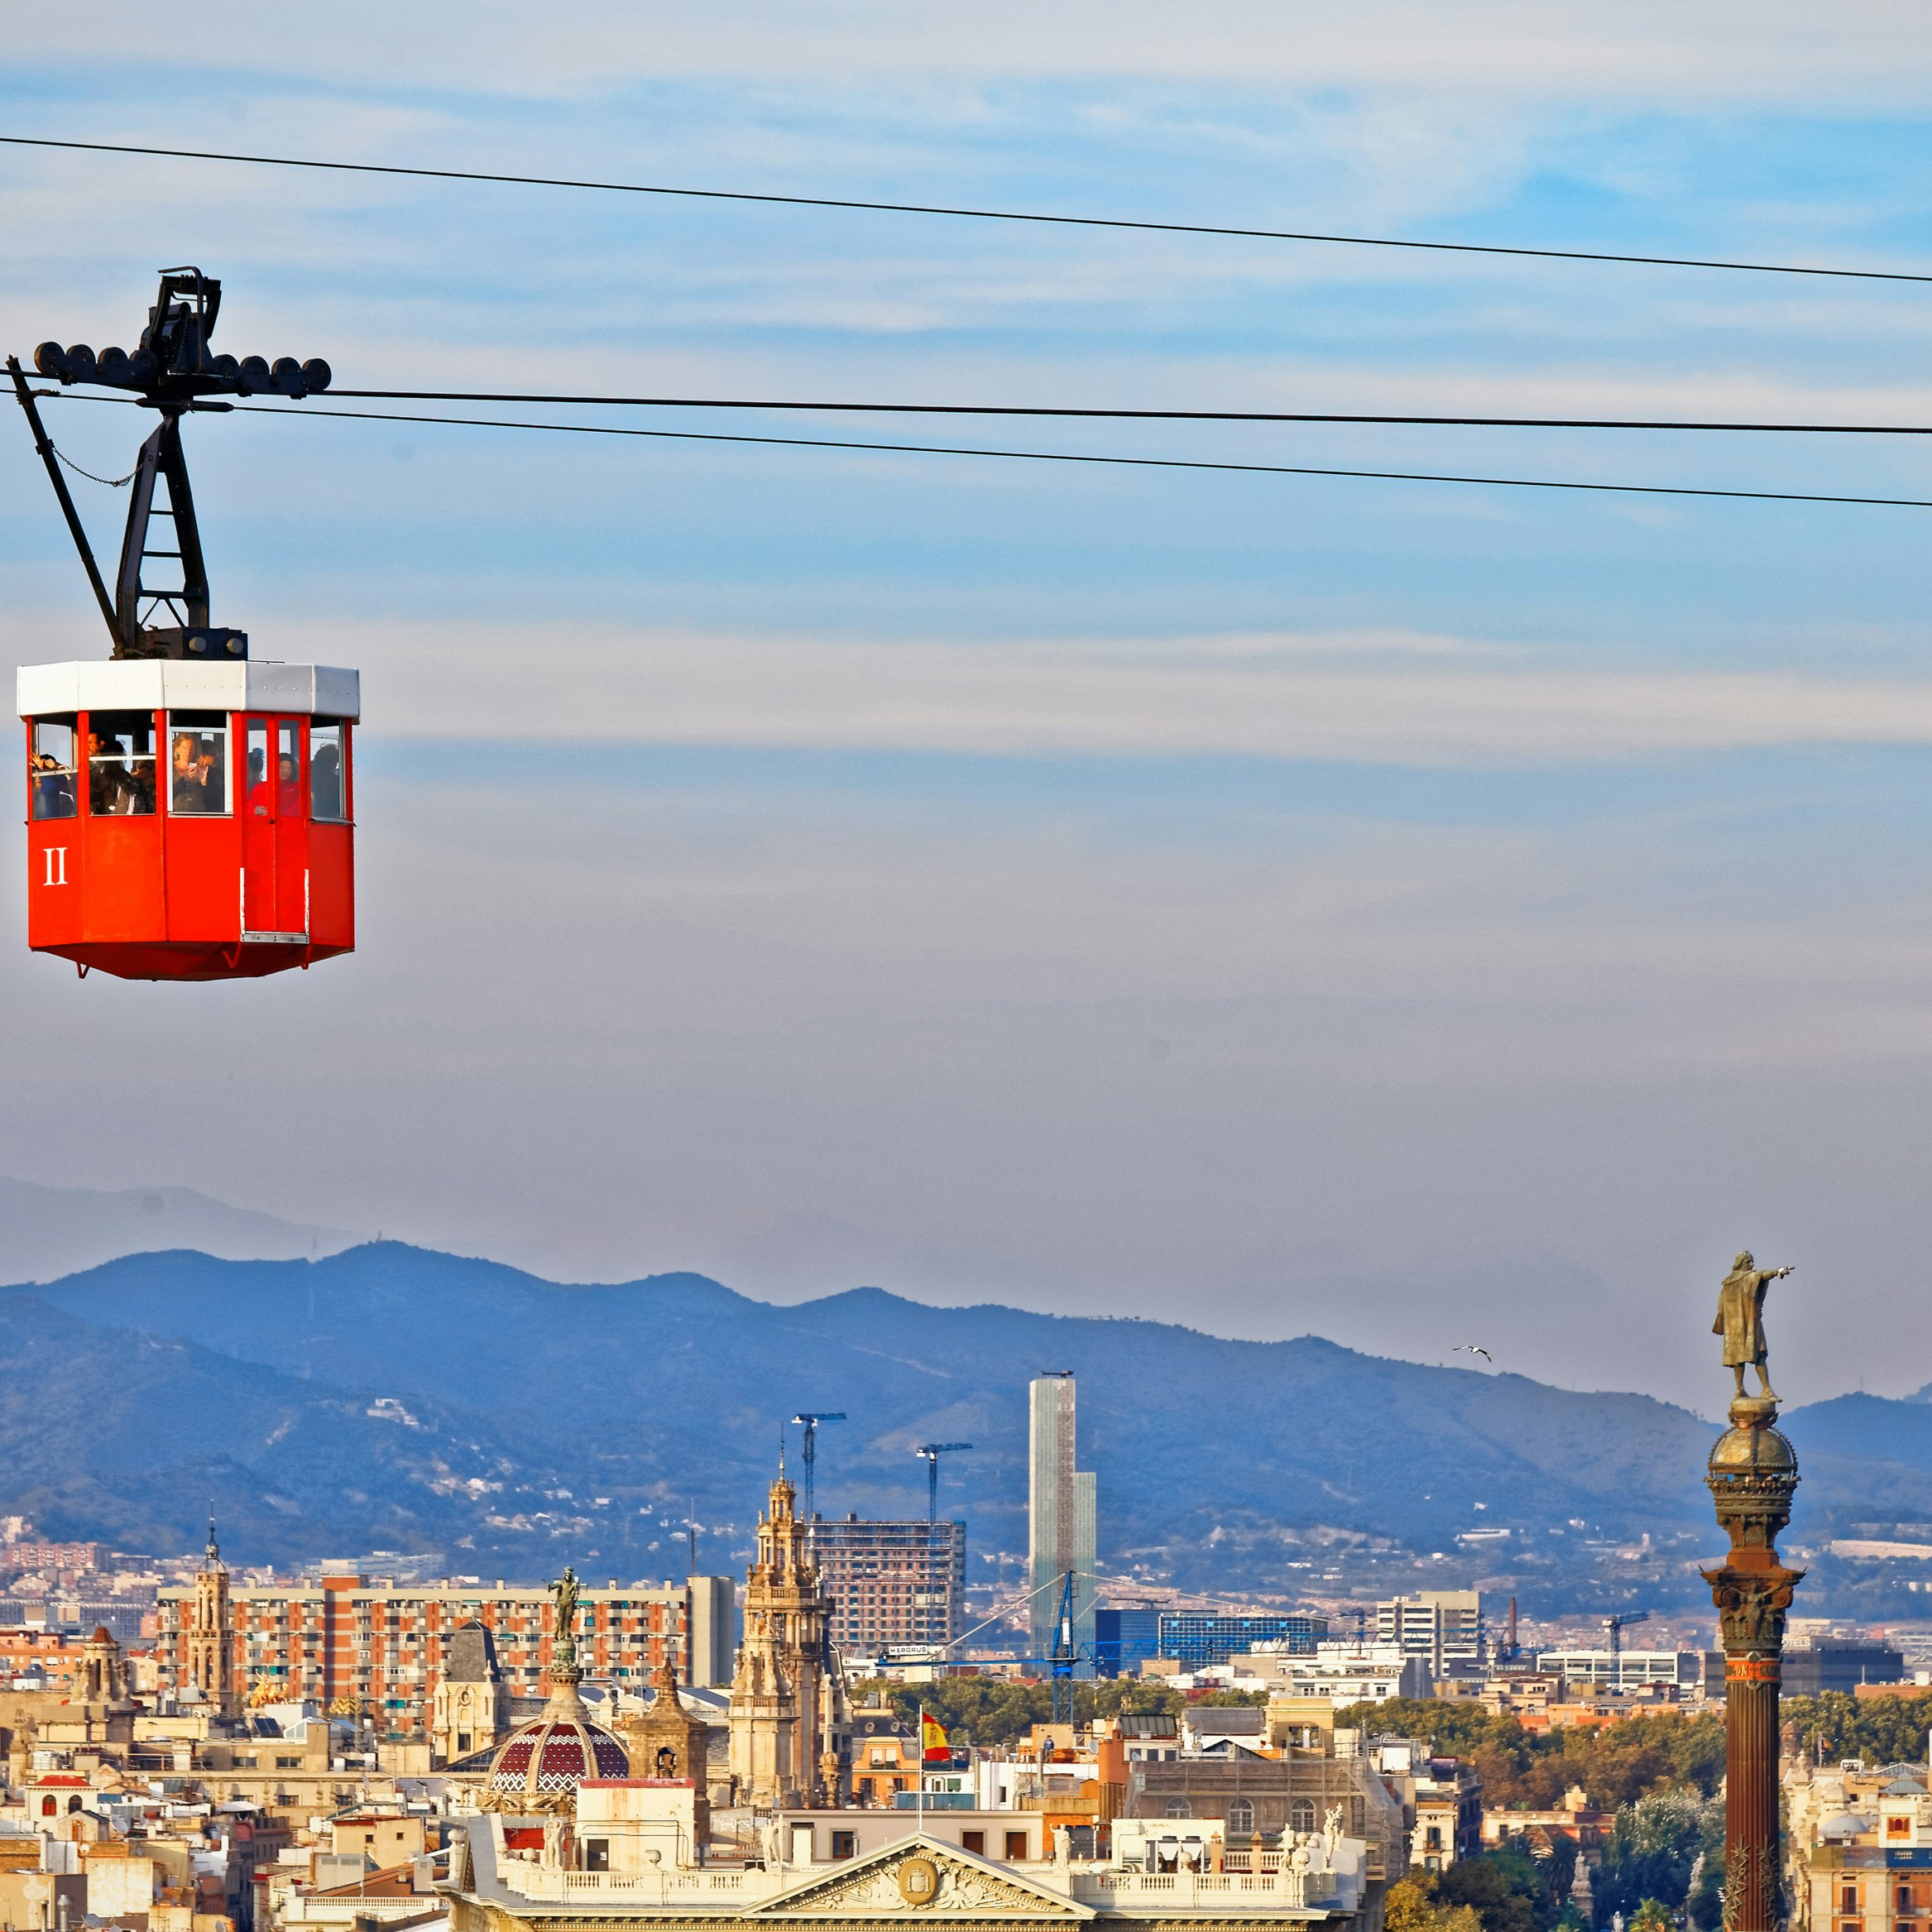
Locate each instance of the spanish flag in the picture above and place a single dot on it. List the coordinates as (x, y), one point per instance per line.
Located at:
(933, 1740)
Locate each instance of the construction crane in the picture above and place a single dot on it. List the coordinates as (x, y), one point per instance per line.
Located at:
(932, 1452)
(1064, 1655)
(1614, 1627)
(808, 1450)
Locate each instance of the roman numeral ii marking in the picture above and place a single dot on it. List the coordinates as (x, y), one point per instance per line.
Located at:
(56, 866)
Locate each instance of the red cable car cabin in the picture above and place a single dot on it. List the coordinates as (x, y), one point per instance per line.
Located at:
(190, 821)
(189, 814)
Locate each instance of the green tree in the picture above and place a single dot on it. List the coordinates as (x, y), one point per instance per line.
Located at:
(1450, 1729)
(1504, 1889)
(1559, 1868)
(1616, 1765)
(1413, 1904)
(1000, 1710)
(1652, 1849)
(1706, 1898)
(1409, 1905)
(1881, 1730)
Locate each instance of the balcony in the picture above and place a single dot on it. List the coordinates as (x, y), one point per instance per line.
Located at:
(677, 1886)
(1150, 1893)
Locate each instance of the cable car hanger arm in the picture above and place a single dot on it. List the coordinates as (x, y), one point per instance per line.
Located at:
(43, 444)
(172, 371)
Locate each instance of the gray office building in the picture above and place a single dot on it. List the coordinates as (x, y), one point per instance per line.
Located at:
(1061, 1516)
(1838, 1664)
(714, 1631)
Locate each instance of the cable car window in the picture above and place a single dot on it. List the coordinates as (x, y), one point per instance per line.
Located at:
(53, 771)
(326, 790)
(120, 763)
(288, 762)
(197, 763)
(261, 798)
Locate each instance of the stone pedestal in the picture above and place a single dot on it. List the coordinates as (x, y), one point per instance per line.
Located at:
(1753, 1473)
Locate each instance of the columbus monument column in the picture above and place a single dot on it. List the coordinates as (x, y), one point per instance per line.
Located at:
(1753, 1475)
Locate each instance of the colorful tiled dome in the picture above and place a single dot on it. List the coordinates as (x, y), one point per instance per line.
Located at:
(539, 1765)
(546, 1759)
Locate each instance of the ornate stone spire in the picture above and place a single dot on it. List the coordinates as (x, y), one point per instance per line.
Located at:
(787, 1712)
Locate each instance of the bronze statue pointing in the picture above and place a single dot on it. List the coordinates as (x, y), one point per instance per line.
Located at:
(1741, 1319)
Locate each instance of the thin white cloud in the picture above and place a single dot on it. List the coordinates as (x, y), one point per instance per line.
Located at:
(1287, 698)
(1722, 51)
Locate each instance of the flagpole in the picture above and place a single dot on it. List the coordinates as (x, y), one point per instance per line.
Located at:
(919, 1807)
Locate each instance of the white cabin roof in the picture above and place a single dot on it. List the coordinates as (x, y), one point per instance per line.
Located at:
(179, 684)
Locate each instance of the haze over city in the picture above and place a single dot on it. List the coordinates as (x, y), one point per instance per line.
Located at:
(1409, 914)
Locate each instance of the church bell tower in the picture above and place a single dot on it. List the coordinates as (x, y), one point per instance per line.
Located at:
(211, 1641)
(787, 1710)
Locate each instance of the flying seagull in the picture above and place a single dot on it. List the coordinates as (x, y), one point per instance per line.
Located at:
(1471, 1347)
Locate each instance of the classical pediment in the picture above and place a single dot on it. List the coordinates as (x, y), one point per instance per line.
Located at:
(920, 1879)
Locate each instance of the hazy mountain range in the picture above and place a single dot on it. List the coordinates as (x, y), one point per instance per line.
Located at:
(52, 1231)
(387, 1397)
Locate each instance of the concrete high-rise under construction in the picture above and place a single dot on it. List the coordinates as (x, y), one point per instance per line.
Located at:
(1060, 1509)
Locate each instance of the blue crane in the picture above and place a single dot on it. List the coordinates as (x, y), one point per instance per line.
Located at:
(1617, 1625)
(930, 1453)
(808, 1450)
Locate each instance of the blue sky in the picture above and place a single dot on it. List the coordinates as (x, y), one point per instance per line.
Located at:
(1275, 903)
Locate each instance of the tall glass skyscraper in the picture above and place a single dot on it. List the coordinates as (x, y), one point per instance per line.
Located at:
(1060, 1507)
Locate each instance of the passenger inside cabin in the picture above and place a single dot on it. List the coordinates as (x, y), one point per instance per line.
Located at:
(112, 786)
(198, 784)
(53, 787)
(259, 805)
(325, 783)
(183, 796)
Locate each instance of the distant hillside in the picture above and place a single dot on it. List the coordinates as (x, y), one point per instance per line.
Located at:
(47, 1232)
(1867, 1477)
(106, 1433)
(606, 1413)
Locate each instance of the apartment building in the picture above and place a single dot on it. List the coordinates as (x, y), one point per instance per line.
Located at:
(890, 1583)
(1442, 1629)
(1858, 1847)
(380, 1644)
